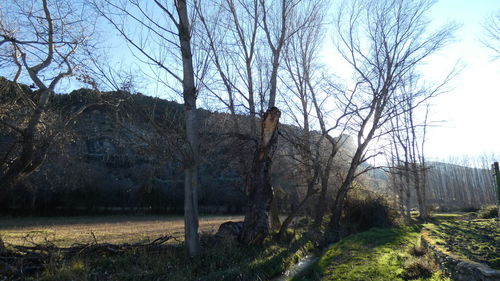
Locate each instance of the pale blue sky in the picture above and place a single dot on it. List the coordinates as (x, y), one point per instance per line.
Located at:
(472, 107)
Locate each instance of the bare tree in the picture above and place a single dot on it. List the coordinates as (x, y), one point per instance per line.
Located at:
(230, 32)
(384, 42)
(301, 71)
(246, 41)
(407, 151)
(165, 40)
(491, 38)
(42, 39)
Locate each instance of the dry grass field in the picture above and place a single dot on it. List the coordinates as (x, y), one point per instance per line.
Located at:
(67, 231)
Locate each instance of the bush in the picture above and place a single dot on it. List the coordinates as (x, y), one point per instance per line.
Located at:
(369, 210)
(488, 212)
(470, 209)
(417, 268)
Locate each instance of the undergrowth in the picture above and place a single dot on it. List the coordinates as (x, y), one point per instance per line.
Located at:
(488, 212)
(220, 260)
(377, 254)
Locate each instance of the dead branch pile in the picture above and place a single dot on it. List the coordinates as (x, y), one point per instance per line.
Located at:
(17, 261)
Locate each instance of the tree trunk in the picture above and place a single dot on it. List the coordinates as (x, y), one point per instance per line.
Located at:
(191, 212)
(422, 210)
(408, 193)
(325, 178)
(274, 214)
(259, 189)
(338, 205)
(337, 209)
(28, 162)
(321, 205)
(292, 215)
(192, 134)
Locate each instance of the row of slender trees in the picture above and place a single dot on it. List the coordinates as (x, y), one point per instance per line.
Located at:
(248, 57)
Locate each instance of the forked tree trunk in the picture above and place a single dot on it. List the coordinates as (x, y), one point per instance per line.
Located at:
(259, 190)
(28, 160)
(294, 213)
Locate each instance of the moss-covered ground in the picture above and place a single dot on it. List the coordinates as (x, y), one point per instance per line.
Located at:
(377, 254)
(474, 239)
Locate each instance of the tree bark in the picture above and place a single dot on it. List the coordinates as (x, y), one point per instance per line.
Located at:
(259, 189)
(321, 204)
(274, 214)
(192, 134)
(420, 190)
(28, 162)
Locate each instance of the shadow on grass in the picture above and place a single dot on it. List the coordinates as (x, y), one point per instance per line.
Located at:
(220, 260)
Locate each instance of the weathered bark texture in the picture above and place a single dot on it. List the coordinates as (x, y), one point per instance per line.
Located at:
(30, 157)
(192, 134)
(259, 190)
(274, 214)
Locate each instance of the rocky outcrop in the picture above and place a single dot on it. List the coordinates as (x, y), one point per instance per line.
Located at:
(459, 268)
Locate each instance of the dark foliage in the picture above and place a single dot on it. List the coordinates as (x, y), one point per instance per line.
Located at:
(488, 212)
(121, 155)
(364, 212)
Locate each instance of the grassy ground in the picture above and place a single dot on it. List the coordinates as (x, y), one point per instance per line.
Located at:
(475, 239)
(378, 254)
(221, 260)
(66, 231)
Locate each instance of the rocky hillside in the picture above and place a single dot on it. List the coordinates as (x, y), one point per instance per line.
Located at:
(122, 152)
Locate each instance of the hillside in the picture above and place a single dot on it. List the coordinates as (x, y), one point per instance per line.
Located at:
(120, 154)
(123, 154)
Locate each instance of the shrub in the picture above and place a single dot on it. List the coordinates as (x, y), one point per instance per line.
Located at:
(368, 210)
(469, 209)
(417, 251)
(488, 212)
(417, 268)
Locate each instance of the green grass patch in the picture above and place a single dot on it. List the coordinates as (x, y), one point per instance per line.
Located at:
(377, 254)
(447, 216)
(477, 239)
